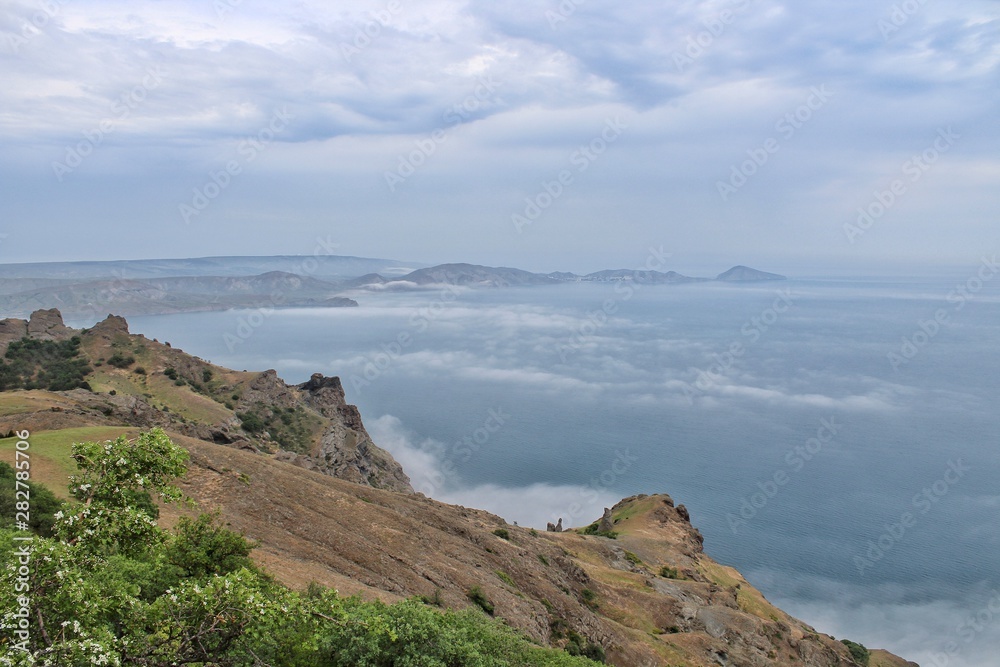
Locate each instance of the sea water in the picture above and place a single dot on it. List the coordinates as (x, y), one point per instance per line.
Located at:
(835, 440)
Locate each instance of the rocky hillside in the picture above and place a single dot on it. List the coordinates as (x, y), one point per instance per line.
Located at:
(170, 295)
(637, 582)
(134, 381)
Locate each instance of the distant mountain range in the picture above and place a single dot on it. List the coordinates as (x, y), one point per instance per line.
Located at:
(148, 287)
(474, 275)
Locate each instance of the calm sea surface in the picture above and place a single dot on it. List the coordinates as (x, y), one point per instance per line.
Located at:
(834, 440)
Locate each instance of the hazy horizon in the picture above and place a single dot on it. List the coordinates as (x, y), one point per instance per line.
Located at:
(700, 269)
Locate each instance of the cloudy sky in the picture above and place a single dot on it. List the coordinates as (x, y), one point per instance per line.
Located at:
(545, 135)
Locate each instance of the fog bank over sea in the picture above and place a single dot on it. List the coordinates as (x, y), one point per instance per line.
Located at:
(834, 439)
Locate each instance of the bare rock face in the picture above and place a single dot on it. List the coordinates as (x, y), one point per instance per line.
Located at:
(48, 325)
(111, 326)
(606, 525)
(12, 329)
(346, 450)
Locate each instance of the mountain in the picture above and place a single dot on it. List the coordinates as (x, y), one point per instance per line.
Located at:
(293, 468)
(152, 296)
(318, 264)
(89, 290)
(476, 276)
(643, 277)
(746, 274)
(134, 381)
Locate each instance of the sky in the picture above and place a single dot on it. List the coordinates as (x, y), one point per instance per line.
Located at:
(576, 135)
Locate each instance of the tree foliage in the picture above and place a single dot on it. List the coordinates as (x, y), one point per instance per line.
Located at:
(112, 588)
(44, 504)
(44, 364)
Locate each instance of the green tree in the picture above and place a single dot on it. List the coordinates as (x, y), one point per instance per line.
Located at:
(44, 504)
(111, 474)
(113, 589)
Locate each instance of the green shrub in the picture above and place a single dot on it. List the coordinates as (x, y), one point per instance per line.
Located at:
(476, 595)
(43, 503)
(632, 558)
(593, 529)
(118, 589)
(505, 578)
(578, 645)
(668, 572)
(543, 560)
(859, 653)
(203, 548)
(51, 365)
(118, 360)
(589, 598)
(433, 600)
(251, 422)
(502, 533)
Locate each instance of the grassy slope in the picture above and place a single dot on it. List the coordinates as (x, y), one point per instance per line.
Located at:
(386, 545)
(51, 463)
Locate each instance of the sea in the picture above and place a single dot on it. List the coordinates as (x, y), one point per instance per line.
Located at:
(834, 439)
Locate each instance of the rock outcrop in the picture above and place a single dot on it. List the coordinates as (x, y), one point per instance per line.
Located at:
(48, 325)
(163, 386)
(346, 451)
(606, 524)
(650, 595)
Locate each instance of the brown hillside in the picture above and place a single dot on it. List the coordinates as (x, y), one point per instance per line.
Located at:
(649, 597)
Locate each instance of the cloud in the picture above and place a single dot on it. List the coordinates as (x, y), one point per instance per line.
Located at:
(365, 86)
(431, 466)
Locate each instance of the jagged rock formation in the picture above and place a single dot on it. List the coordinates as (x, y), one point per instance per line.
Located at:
(48, 325)
(554, 527)
(346, 451)
(163, 386)
(651, 597)
(606, 524)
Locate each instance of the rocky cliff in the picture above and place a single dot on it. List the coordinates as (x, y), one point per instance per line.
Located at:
(293, 467)
(140, 382)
